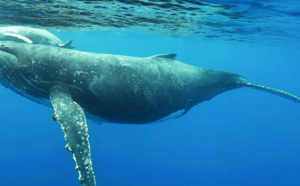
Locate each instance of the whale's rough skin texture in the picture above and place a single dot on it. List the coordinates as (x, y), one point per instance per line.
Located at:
(24, 34)
(119, 89)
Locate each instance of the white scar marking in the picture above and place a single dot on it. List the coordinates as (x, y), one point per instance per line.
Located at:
(173, 115)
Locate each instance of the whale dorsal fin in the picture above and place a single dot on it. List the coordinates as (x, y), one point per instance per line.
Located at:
(167, 56)
(68, 44)
(23, 38)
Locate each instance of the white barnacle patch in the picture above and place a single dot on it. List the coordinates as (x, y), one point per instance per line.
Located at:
(74, 157)
(64, 106)
(77, 72)
(80, 123)
(87, 162)
(173, 115)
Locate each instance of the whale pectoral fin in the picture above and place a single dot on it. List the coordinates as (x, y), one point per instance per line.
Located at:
(20, 37)
(73, 122)
(67, 45)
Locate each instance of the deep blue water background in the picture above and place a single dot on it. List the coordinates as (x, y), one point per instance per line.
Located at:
(241, 137)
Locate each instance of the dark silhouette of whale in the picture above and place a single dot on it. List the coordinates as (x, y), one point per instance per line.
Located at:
(110, 88)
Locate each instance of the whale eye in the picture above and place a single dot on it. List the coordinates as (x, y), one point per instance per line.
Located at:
(4, 47)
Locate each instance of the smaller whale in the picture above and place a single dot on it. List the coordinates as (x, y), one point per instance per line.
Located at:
(29, 35)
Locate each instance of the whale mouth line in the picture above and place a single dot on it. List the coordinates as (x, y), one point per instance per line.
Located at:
(6, 49)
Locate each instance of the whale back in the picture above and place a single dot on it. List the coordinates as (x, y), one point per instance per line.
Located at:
(124, 89)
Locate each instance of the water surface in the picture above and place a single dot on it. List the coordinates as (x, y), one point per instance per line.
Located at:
(241, 137)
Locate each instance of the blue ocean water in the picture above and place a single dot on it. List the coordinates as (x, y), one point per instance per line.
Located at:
(241, 137)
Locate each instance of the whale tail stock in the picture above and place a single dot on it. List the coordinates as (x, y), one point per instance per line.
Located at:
(272, 91)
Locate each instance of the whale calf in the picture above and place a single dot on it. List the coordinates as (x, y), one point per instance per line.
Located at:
(109, 88)
(30, 35)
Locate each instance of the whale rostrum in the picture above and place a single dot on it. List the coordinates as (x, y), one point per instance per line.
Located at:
(110, 88)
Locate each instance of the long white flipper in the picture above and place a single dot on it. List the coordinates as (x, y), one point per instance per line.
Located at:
(73, 122)
(18, 36)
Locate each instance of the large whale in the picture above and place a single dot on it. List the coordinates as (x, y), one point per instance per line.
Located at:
(30, 35)
(110, 88)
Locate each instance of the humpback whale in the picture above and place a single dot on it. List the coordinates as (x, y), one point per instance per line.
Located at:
(110, 88)
(30, 35)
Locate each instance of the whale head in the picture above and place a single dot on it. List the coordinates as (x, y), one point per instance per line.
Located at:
(16, 71)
